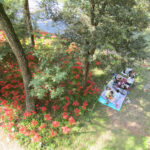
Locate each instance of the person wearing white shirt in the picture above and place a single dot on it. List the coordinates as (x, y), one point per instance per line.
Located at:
(127, 71)
(116, 96)
(130, 81)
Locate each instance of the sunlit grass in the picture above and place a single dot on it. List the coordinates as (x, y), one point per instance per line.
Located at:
(106, 138)
(98, 72)
(62, 1)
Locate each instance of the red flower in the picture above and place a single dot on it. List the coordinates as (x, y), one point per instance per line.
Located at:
(66, 62)
(32, 132)
(71, 120)
(42, 126)
(34, 112)
(77, 67)
(69, 92)
(27, 114)
(65, 107)
(77, 111)
(14, 93)
(53, 133)
(34, 123)
(22, 129)
(77, 76)
(78, 83)
(55, 124)
(47, 117)
(75, 103)
(79, 63)
(43, 109)
(27, 133)
(66, 130)
(65, 115)
(30, 57)
(66, 98)
(36, 138)
(67, 104)
(69, 82)
(3, 102)
(84, 107)
(85, 103)
(56, 107)
(98, 63)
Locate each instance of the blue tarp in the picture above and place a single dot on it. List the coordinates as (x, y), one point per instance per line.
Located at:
(117, 104)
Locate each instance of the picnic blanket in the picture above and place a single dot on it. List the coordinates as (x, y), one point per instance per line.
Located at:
(117, 104)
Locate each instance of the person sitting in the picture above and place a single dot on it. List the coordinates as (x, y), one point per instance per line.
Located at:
(117, 79)
(110, 84)
(124, 86)
(130, 81)
(116, 96)
(108, 94)
(127, 71)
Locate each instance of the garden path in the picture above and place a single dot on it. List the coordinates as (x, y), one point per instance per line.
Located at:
(7, 144)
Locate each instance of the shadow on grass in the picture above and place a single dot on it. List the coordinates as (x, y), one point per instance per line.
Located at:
(107, 129)
(130, 127)
(123, 140)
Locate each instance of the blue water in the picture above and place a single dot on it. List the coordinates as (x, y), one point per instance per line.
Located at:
(45, 25)
(50, 26)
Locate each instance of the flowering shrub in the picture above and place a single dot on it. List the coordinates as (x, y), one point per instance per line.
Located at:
(2, 37)
(60, 99)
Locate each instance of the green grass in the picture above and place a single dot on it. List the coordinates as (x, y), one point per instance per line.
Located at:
(62, 1)
(107, 129)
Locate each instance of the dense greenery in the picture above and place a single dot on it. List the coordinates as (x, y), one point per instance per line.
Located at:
(101, 37)
(95, 24)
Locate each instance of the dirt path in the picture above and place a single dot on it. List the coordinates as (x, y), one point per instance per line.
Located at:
(7, 144)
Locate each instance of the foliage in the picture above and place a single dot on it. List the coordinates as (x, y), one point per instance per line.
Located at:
(50, 7)
(57, 69)
(14, 8)
(104, 24)
(58, 114)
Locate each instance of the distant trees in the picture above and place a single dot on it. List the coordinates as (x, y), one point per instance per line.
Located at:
(18, 51)
(105, 24)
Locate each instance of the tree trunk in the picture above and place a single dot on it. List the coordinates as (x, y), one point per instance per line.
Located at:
(86, 71)
(89, 53)
(86, 68)
(27, 19)
(19, 53)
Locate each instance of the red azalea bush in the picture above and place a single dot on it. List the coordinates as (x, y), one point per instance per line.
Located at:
(2, 37)
(57, 113)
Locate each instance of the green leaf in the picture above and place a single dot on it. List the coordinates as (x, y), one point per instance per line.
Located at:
(2, 1)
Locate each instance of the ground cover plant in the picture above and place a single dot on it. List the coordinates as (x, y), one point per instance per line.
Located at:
(60, 100)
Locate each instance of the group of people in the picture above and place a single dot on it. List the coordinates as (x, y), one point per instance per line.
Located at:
(121, 83)
(124, 83)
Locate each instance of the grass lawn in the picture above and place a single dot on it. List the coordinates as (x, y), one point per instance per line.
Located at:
(62, 1)
(108, 129)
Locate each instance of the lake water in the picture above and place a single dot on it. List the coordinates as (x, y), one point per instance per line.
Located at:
(47, 24)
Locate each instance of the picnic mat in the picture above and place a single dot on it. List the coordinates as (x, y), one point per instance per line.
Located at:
(115, 105)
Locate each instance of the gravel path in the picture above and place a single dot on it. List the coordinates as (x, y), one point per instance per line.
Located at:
(6, 144)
